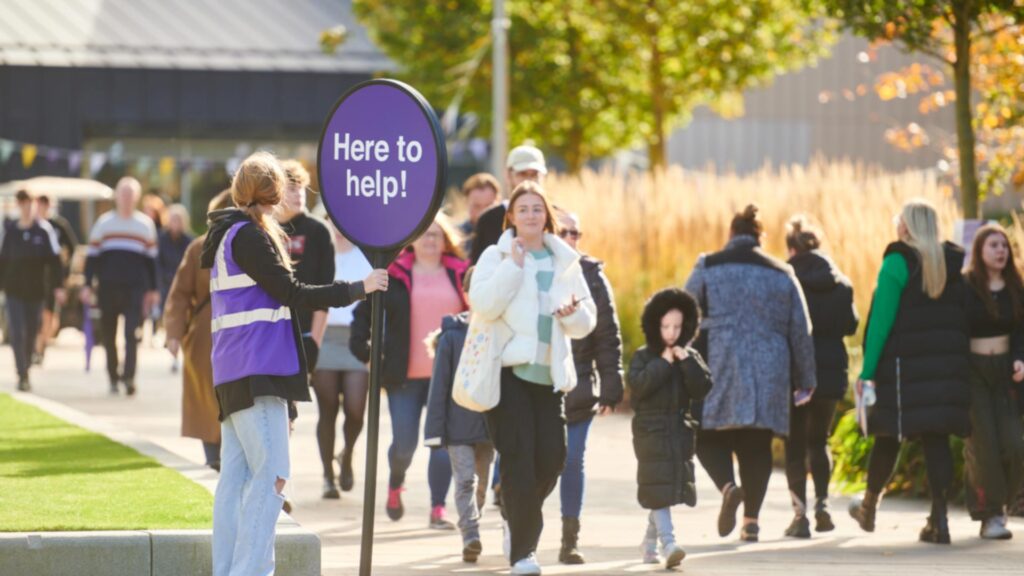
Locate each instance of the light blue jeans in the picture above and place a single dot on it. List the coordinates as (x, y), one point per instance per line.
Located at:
(254, 455)
(659, 527)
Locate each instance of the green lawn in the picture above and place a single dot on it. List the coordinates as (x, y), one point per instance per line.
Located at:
(57, 476)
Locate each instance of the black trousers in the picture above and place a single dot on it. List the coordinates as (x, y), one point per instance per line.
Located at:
(528, 430)
(807, 447)
(118, 301)
(938, 459)
(753, 450)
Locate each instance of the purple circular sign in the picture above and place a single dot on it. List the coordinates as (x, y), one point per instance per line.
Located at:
(382, 165)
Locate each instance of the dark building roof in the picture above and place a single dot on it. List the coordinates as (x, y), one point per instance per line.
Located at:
(237, 35)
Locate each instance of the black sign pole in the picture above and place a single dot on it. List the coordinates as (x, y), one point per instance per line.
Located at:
(333, 180)
(379, 260)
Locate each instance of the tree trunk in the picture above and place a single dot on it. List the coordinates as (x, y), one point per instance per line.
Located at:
(574, 139)
(656, 145)
(574, 149)
(964, 115)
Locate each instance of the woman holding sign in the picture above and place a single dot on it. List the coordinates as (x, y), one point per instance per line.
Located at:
(916, 360)
(258, 361)
(532, 281)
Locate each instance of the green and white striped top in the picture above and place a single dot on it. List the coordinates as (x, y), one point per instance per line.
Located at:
(539, 371)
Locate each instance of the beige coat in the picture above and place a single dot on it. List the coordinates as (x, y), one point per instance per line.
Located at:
(190, 290)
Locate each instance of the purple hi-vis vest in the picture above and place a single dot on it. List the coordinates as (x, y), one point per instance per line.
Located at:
(252, 332)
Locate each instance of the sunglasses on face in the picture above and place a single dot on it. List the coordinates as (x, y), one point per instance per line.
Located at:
(570, 233)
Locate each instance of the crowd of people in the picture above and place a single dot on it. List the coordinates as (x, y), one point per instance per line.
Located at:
(272, 301)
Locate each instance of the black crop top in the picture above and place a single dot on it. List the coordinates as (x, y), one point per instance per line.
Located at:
(981, 323)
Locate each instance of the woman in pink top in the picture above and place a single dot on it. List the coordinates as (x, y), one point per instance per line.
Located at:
(427, 287)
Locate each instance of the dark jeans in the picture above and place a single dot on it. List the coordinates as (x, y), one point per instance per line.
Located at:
(938, 459)
(118, 301)
(528, 430)
(808, 444)
(573, 478)
(23, 320)
(753, 450)
(406, 403)
(994, 453)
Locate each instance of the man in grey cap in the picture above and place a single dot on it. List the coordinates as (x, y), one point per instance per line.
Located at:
(525, 162)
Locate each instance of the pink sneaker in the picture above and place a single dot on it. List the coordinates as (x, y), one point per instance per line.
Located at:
(394, 508)
(439, 520)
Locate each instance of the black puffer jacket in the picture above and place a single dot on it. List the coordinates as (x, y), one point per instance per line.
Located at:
(922, 375)
(664, 430)
(829, 297)
(598, 357)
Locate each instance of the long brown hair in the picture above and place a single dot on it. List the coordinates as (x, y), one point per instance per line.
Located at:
(260, 182)
(531, 187)
(977, 275)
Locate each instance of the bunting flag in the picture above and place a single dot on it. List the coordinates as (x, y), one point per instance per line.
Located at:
(74, 161)
(143, 164)
(232, 166)
(6, 149)
(89, 164)
(28, 155)
(97, 160)
(166, 165)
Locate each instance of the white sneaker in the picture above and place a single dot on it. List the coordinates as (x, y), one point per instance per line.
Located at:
(527, 566)
(506, 540)
(995, 529)
(673, 555)
(649, 553)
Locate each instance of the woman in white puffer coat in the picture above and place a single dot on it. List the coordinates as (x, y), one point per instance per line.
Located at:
(532, 281)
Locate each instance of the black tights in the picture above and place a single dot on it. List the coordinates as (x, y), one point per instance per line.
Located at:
(329, 386)
(753, 449)
(938, 459)
(809, 429)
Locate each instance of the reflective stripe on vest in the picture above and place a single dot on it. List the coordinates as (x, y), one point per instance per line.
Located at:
(224, 281)
(248, 317)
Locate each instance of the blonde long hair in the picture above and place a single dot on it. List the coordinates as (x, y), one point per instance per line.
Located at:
(922, 224)
(260, 181)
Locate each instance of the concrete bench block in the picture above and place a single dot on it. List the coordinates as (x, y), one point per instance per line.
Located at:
(75, 553)
(176, 552)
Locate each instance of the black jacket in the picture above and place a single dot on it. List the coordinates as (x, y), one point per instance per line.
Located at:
(598, 357)
(829, 297)
(664, 429)
(921, 379)
(312, 250)
(30, 261)
(449, 424)
(255, 254)
(396, 323)
(489, 228)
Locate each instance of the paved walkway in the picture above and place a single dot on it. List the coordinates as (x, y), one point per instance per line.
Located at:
(613, 523)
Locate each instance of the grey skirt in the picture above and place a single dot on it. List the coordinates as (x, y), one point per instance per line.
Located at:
(335, 353)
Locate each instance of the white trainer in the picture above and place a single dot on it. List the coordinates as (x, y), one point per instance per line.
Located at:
(995, 529)
(673, 555)
(649, 553)
(527, 566)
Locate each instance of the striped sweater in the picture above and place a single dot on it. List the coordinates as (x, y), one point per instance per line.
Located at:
(122, 252)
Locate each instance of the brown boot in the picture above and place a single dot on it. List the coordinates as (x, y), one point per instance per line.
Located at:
(863, 510)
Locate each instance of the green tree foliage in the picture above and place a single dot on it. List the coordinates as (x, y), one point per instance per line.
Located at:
(691, 53)
(946, 30)
(591, 77)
